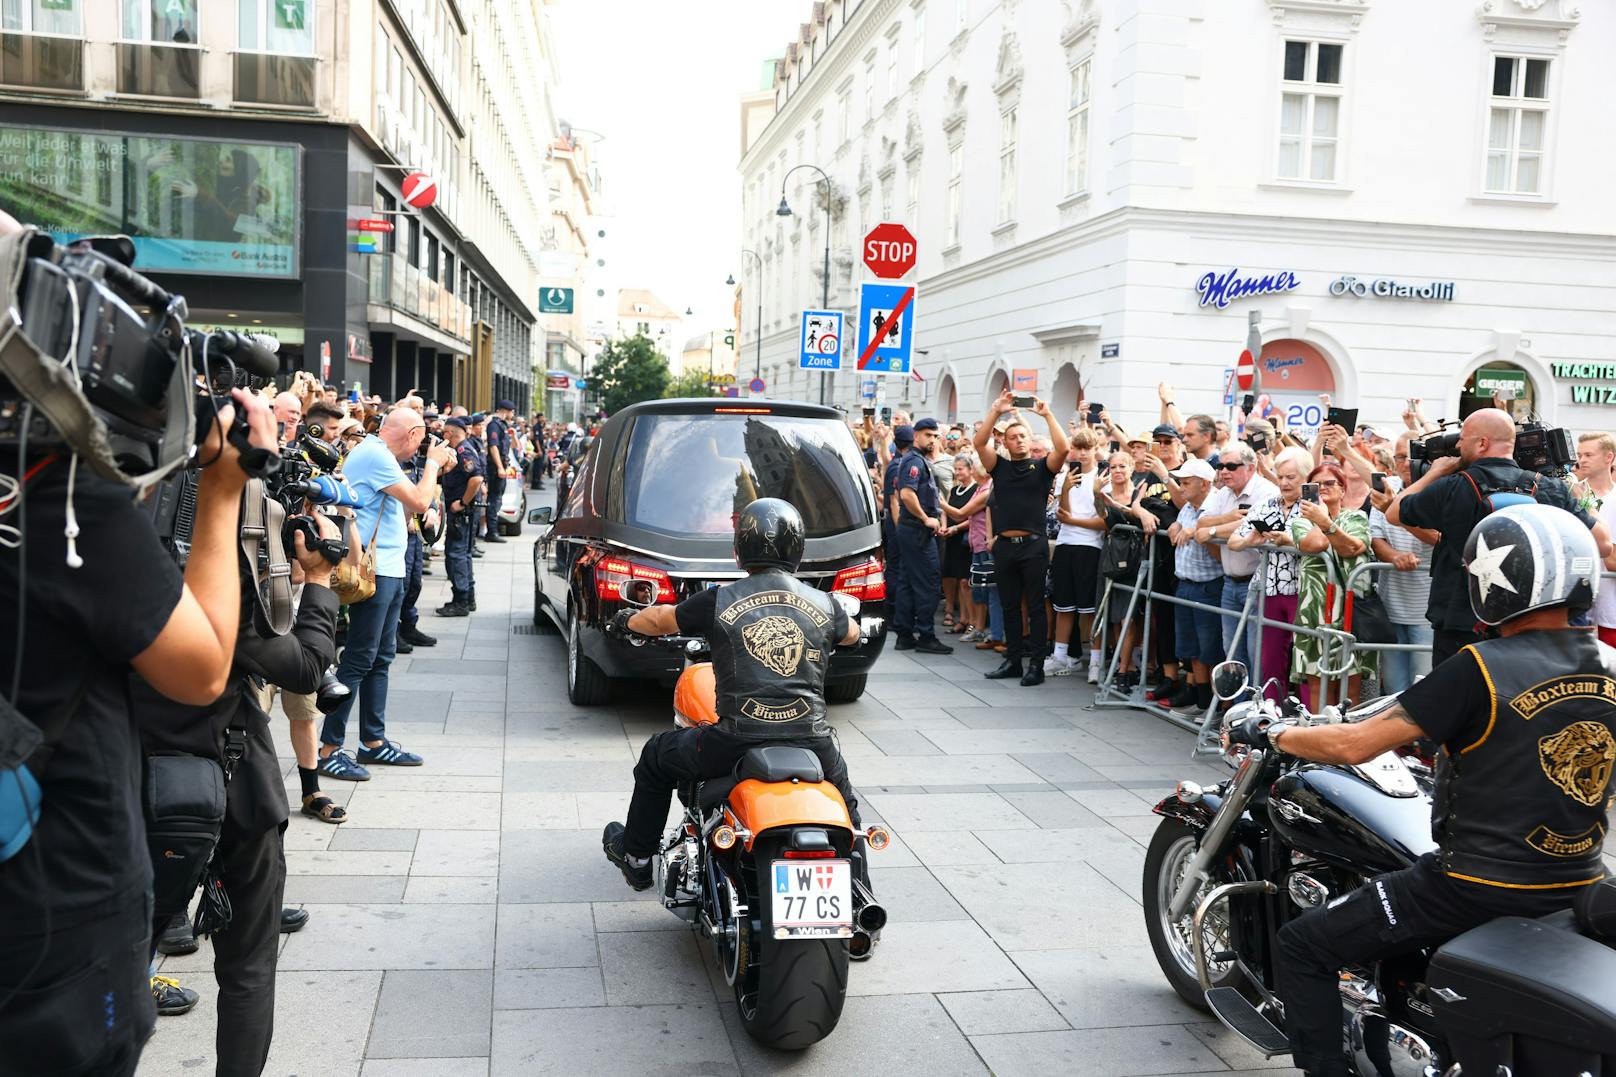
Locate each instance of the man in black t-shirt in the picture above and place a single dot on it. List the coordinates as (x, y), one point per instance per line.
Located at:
(75, 931)
(499, 458)
(1527, 727)
(1453, 496)
(1021, 487)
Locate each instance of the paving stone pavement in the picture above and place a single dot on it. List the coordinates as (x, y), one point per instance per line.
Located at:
(465, 924)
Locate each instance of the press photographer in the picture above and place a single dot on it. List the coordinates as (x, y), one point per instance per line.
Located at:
(248, 864)
(89, 595)
(1470, 476)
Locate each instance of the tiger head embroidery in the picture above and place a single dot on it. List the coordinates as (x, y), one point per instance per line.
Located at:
(1578, 760)
(777, 642)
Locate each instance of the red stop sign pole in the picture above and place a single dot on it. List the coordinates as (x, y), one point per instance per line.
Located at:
(889, 250)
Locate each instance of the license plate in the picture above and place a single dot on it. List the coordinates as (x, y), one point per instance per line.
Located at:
(812, 899)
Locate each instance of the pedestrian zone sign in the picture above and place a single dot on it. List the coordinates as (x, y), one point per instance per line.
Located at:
(886, 328)
(821, 340)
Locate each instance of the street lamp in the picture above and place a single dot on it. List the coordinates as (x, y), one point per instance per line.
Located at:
(757, 370)
(785, 211)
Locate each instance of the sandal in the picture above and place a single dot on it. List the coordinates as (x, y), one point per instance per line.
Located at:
(323, 808)
(948, 622)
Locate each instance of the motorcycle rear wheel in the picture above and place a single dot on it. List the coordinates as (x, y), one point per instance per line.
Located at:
(1171, 848)
(797, 988)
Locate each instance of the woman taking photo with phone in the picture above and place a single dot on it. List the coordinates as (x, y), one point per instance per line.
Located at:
(1269, 524)
(1334, 540)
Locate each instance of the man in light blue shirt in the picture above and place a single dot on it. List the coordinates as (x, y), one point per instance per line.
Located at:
(385, 494)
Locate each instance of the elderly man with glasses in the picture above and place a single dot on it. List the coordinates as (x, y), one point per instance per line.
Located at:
(1239, 489)
(374, 470)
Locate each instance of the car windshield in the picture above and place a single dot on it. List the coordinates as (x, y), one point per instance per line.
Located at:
(692, 474)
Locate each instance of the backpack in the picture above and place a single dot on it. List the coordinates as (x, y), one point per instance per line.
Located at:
(1493, 500)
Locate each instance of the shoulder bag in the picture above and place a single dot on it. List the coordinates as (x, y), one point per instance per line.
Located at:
(355, 579)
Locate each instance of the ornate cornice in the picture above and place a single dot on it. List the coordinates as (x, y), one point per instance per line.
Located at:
(1531, 22)
(1340, 15)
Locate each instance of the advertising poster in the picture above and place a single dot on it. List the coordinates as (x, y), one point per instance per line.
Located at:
(191, 205)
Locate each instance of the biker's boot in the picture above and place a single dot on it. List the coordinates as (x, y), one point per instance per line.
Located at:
(611, 840)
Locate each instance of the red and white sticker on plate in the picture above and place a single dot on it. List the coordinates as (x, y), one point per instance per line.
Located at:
(813, 899)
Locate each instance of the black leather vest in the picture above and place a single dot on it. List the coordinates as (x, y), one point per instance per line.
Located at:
(1525, 804)
(771, 643)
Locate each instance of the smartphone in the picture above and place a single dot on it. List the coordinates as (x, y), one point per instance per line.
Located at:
(886, 415)
(1378, 482)
(869, 412)
(1023, 400)
(1345, 418)
(1261, 525)
(1094, 413)
(1310, 492)
(1259, 443)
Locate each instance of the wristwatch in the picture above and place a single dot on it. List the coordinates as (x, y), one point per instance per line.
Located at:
(1332, 529)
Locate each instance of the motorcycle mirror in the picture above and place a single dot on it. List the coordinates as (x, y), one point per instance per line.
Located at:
(849, 604)
(1229, 679)
(641, 593)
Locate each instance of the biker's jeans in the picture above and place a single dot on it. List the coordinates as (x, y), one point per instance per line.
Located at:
(1391, 914)
(683, 755)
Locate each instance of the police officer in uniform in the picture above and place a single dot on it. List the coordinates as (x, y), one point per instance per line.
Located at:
(1527, 725)
(460, 486)
(499, 458)
(762, 699)
(920, 579)
(903, 614)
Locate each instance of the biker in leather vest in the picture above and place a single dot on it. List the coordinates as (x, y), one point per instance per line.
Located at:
(1527, 725)
(771, 644)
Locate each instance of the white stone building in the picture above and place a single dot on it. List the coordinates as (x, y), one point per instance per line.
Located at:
(1073, 171)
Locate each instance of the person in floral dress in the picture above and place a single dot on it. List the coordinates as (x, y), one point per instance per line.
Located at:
(1333, 540)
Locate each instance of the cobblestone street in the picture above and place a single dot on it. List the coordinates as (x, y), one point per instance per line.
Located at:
(465, 923)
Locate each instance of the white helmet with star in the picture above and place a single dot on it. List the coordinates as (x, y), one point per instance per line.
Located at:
(1529, 557)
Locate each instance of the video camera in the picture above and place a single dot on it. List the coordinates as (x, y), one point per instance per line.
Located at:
(1547, 450)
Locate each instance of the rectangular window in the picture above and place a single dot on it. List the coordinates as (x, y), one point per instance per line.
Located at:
(42, 17)
(1310, 111)
(161, 22)
(919, 42)
(912, 199)
(1517, 123)
(1007, 167)
(1077, 129)
(869, 90)
(886, 197)
(283, 27)
(844, 109)
(956, 168)
(892, 65)
(962, 14)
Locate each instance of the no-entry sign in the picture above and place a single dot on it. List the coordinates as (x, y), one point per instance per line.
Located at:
(889, 250)
(1245, 370)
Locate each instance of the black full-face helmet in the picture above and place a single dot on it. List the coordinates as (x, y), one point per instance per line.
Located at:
(769, 534)
(1529, 557)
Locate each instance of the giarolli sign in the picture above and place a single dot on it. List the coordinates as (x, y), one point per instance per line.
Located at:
(1437, 290)
(1220, 289)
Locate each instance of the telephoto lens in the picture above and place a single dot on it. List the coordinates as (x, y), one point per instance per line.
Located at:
(331, 692)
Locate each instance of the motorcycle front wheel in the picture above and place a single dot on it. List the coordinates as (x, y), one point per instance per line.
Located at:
(1172, 848)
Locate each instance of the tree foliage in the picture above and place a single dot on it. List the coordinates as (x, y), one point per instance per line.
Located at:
(691, 383)
(628, 371)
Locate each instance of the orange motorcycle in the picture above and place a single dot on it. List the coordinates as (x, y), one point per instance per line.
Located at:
(764, 864)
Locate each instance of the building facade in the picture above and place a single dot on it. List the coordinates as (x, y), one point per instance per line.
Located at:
(640, 311)
(1105, 193)
(252, 146)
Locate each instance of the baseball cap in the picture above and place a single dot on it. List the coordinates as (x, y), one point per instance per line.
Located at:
(903, 434)
(925, 424)
(1166, 430)
(458, 421)
(1195, 468)
(507, 405)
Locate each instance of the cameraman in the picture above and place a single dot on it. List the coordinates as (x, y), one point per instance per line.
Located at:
(75, 934)
(1453, 496)
(249, 859)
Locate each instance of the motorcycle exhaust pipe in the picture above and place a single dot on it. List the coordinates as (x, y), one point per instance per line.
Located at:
(871, 918)
(861, 945)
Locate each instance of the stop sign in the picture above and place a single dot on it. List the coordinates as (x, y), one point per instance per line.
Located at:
(420, 190)
(1245, 370)
(889, 250)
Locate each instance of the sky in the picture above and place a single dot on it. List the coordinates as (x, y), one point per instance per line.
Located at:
(662, 81)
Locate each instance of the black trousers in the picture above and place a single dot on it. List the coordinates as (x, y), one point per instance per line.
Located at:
(87, 1007)
(1446, 642)
(496, 493)
(683, 755)
(414, 563)
(1397, 913)
(1021, 570)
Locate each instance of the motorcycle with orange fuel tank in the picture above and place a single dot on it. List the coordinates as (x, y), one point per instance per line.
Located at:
(765, 865)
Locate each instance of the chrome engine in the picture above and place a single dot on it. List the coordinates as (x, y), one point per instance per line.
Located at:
(1380, 1048)
(678, 873)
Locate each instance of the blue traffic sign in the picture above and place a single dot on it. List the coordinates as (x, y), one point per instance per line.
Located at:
(821, 342)
(867, 388)
(886, 328)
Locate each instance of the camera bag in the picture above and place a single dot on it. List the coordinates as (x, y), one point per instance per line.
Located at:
(184, 799)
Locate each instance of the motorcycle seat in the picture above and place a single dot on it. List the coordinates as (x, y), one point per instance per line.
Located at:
(769, 763)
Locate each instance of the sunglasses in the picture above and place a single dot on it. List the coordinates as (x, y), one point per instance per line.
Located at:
(1166, 441)
(1231, 467)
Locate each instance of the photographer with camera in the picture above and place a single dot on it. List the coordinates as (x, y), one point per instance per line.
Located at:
(385, 493)
(249, 861)
(88, 595)
(1454, 494)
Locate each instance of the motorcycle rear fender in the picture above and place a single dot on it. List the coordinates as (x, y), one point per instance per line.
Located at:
(764, 806)
(1197, 816)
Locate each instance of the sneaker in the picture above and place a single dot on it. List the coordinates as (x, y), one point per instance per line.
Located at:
(905, 643)
(932, 645)
(452, 609)
(1184, 697)
(341, 766)
(172, 999)
(415, 637)
(1059, 667)
(403, 646)
(611, 840)
(1094, 673)
(493, 537)
(389, 754)
(177, 938)
(970, 635)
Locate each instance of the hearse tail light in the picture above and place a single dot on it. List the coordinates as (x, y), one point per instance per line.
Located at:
(612, 573)
(866, 582)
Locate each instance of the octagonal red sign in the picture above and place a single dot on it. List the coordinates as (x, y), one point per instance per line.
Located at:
(889, 250)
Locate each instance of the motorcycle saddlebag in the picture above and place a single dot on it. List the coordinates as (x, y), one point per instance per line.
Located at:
(1531, 996)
